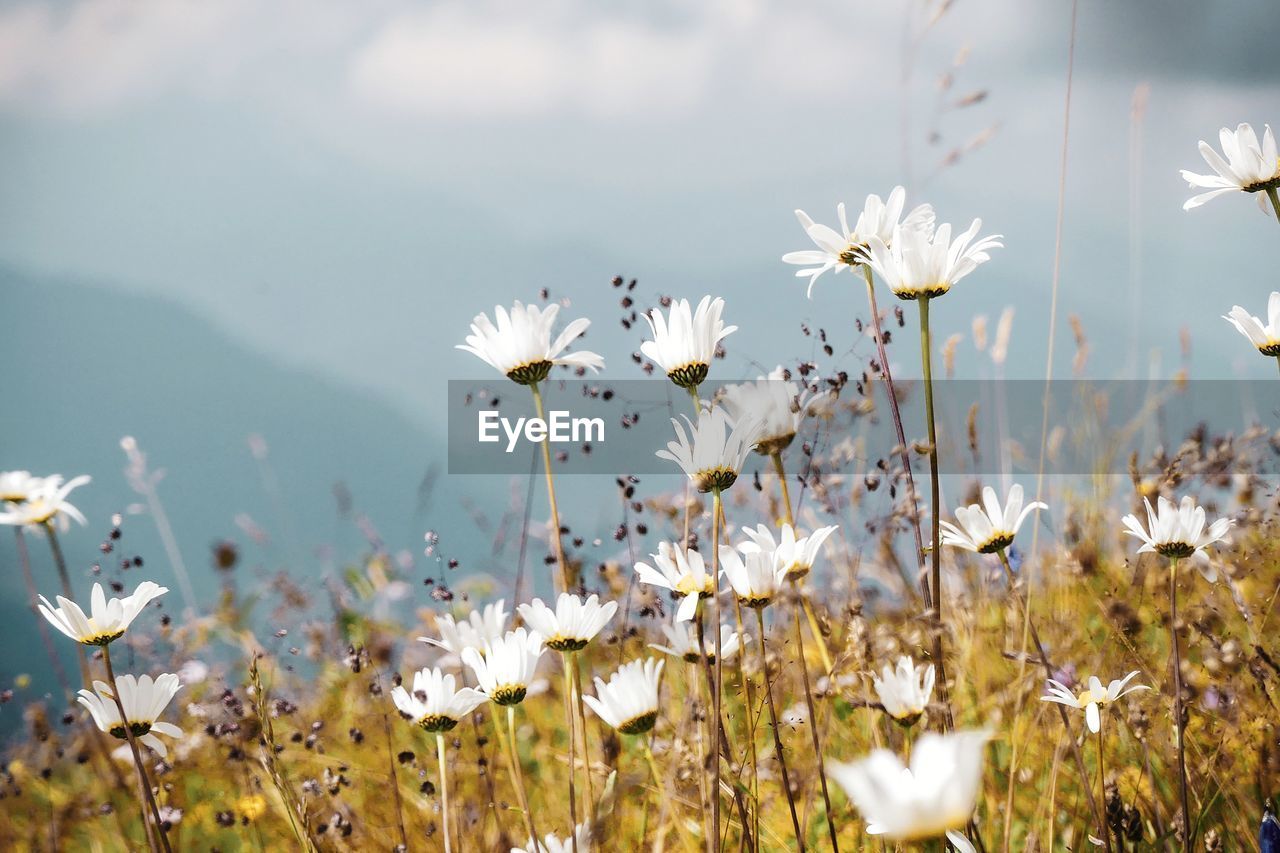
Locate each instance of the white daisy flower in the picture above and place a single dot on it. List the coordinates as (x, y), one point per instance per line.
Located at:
(107, 620)
(551, 842)
(1264, 336)
(436, 703)
(777, 404)
(1178, 532)
(629, 701)
(989, 528)
(795, 556)
(17, 486)
(904, 690)
(684, 643)
(573, 623)
(144, 701)
(520, 345)
(45, 503)
(507, 665)
(922, 265)
(480, 627)
(1092, 699)
(684, 344)
(935, 794)
(755, 577)
(1249, 166)
(684, 572)
(714, 450)
(848, 247)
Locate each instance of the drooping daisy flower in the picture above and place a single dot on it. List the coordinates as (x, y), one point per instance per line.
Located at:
(775, 402)
(107, 620)
(1249, 166)
(480, 627)
(755, 577)
(923, 265)
(572, 624)
(935, 794)
(713, 452)
(1178, 532)
(506, 666)
(684, 643)
(436, 703)
(1092, 699)
(795, 557)
(520, 345)
(551, 843)
(629, 701)
(988, 529)
(684, 344)
(904, 690)
(1264, 336)
(45, 503)
(847, 248)
(17, 486)
(683, 572)
(144, 701)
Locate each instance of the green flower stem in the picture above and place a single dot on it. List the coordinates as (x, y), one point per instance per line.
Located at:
(718, 682)
(155, 833)
(444, 791)
(42, 624)
(935, 552)
(576, 660)
(777, 738)
(517, 776)
(1275, 200)
(566, 581)
(566, 661)
(1177, 702)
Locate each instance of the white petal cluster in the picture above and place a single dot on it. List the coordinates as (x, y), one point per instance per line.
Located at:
(480, 627)
(920, 264)
(505, 666)
(935, 794)
(904, 690)
(1264, 336)
(106, 620)
(848, 247)
(436, 703)
(776, 403)
(629, 701)
(684, 343)
(552, 843)
(572, 624)
(682, 571)
(37, 501)
(683, 641)
(144, 700)
(520, 344)
(794, 556)
(755, 577)
(989, 528)
(1093, 698)
(714, 450)
(1179, 531)
(1245, 165)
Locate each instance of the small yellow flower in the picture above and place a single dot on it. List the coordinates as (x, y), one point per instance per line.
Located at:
(22, 682)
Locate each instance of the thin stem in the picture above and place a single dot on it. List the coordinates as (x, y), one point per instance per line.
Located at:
(444, 790)
(725, 749)
(777, 738)
(565, 575)
(900, 434)
(24, 560)
(1275, 200)
(157, 841)
(582, 720)
(1177, 702)
(1278, 360)
(1098, 815)
(821, 641)
(1102, 767)
(567, 661)
(517, 776)
(935, 550)
(715, 630)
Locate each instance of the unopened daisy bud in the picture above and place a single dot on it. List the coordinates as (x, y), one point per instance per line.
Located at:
(989, 528)
(436, 703)
(1264, 336)
(755, 577)
(520, 345)
(107, 620)
(904, 690)
(714, 450)
(572, 624)
(507, 665)
(629, 701)
(684, 344)
(144, 700)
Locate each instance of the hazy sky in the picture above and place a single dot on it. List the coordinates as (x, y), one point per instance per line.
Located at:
(342, 185)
